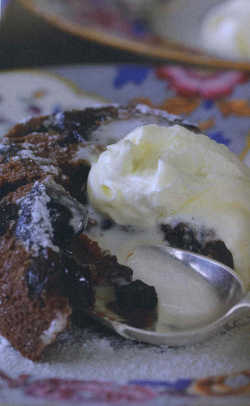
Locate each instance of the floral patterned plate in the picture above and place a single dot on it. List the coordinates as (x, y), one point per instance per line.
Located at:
(127, 25)
(94, 366)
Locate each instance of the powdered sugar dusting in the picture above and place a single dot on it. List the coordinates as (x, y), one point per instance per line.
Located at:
(35, 230)
(34, 227)
(97, 354)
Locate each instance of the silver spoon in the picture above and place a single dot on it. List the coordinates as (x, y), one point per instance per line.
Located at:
(225, 289)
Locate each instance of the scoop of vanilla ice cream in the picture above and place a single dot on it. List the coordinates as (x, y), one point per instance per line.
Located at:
(169, 174)
(226, 29)
(154, 172)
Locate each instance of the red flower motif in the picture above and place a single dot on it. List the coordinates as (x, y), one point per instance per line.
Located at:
(87, 391)
(209, 85)
(79, 391)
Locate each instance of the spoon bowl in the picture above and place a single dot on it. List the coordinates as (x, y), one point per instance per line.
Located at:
(196, 296)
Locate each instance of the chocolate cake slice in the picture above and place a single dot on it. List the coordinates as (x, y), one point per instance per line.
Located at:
(50, 257)
(40, 221)
(47, 267)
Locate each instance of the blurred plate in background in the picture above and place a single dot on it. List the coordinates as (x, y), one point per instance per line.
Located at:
(161, 29)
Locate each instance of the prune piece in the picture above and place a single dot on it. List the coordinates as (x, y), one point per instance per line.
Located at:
(8, 213)
(218, 251)
(136, 295)
(184, 238)
(78, 175)
(181, 236)
(60, 220)
(78, 284)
